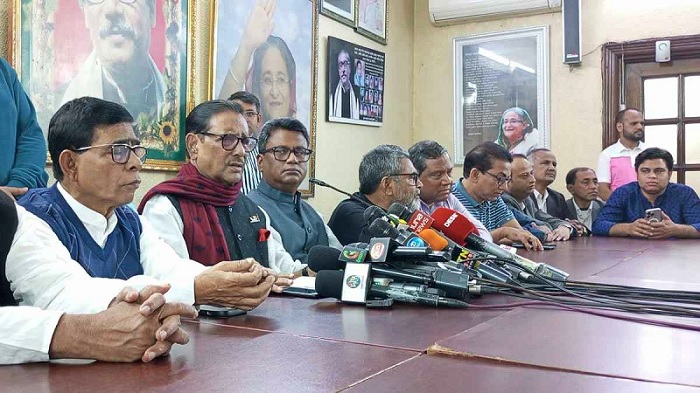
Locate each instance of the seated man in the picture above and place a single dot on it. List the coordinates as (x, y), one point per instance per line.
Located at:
(386, 176)
(521, 187)
(546, 199)
(201, 213)
(584, 205)
(98, 326)
(486, 176)
(283, 160)
(624, 213)
(434, 168)
(96, 160)
(251, 108)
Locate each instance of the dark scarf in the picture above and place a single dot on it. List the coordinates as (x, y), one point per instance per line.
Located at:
(199, 197)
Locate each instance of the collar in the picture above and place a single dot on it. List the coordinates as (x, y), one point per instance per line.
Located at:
(619, 147)
(540, 196)
(93, 221)
(459, 187)
(578, 209)
(277, 195)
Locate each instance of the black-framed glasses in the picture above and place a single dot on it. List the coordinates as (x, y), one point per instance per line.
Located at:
(120, 151)
(282, 153)
(250, 114)
(102, 1)
(412, 177)
(230, 141)
(500, 179)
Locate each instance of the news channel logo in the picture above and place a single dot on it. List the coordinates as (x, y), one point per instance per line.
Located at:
(353, 281)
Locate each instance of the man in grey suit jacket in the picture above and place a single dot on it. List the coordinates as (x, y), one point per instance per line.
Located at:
(521, 187)
(584, 206)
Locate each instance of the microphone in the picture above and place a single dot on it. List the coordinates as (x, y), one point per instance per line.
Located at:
(417, 220)
(325, 258)
(458, 228)
(336, 284)
(321, 183)
(381, 228)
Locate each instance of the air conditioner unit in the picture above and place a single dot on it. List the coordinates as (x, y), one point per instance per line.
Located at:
(451, 11)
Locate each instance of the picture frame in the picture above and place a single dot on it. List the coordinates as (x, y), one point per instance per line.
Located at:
(371, 19)
(293, 41)
(343, 11)
(356, 76)
(501, 90)
(58, 59)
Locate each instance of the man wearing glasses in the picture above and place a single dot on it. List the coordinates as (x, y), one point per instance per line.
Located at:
(434, 167)
(120, 68)
(201, 213)
(487, 169)
(386, 176)
(251, 110)
(283, 160)
(343, 100)
(96, 161)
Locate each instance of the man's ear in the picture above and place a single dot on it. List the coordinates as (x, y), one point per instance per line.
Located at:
(192, 144)
(474, 174)
(260, 161)
(387, 185)
(570, 188)
(67, 160)
(619, 126)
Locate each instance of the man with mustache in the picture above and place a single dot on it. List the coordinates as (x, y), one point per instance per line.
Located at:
(96, 161)
(283, 161)
(343, 100)
(625, 212)
(201, 213)
(120, 69)
(434, 168)
(386, 176)
(584, 205)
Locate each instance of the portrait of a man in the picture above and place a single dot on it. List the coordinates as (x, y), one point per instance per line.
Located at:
(344, 99)
(132, 52)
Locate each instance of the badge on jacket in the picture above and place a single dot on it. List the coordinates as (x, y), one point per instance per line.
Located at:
(254, 218)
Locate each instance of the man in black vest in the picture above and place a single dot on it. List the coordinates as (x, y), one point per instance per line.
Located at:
(201, 213)
(24, 331)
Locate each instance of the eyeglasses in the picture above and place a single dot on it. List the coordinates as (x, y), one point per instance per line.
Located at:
(121, 152)
(500, 178)
(512, 121)
(412, 180)
(250, 114)
(102, 1)
(268, 83)
(230, 141)
(344, 63)
(282, 153)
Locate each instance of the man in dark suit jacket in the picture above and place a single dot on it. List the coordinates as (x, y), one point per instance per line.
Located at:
(546, 199)
(584, 206)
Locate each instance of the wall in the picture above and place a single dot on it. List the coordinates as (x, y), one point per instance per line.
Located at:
(575, 92)
(339, 146)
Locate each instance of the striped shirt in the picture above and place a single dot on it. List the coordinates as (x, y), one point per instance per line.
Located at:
(251, 173)
(493, 214)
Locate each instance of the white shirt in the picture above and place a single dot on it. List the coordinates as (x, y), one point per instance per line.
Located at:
(542, 200)
(32, 344)
(584, 216)
(165, 217)
(613, 151)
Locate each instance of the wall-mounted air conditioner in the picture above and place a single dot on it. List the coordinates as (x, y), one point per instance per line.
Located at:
(451, 11)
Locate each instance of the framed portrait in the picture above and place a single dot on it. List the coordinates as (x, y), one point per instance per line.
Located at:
(342, 11)
(501, 90)
(355, 84)
(130, 52)
(269, 49)
(371, 19)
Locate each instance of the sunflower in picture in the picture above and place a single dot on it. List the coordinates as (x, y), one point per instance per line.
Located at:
(168, 133)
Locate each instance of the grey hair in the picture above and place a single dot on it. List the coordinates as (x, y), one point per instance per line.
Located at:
(382, 161)
(531, 155)
(425, 150)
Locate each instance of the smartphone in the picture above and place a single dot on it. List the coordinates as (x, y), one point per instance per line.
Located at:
(546, 246)
(220, 312)
(653, 215)
(303, 292)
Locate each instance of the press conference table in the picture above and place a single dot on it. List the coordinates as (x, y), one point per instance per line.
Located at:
(296, 344)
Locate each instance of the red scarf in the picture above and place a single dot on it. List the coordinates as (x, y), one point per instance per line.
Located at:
(199, 197)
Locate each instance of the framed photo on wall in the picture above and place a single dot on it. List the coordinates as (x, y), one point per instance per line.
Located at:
(355, 84)
(371, 19)
(342, 11)
(501, 90)
(132, 53)
(269, 49)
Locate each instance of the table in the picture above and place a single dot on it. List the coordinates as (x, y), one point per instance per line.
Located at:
(297, 344)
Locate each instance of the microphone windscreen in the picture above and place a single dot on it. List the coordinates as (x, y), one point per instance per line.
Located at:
(372, 213)
(434, 240)
(324, 258)
(453, 224)
(401, 211)
(381, 228)
(329, 283)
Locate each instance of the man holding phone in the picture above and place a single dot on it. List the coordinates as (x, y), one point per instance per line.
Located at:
(651, 207)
